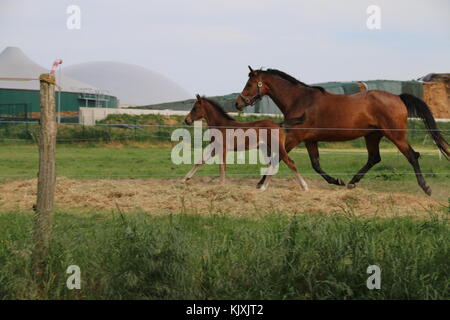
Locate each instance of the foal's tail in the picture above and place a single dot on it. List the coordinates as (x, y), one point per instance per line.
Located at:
(424, 112)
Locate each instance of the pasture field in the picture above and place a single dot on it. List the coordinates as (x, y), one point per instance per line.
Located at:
(144, 159)
(137, 232)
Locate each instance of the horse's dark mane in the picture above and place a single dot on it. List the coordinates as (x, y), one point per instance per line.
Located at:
(219, 109)
(289, 78)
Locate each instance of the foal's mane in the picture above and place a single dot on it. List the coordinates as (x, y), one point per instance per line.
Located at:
(218, 108)
(289, 78)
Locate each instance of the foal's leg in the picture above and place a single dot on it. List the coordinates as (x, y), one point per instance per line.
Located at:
(313, 151)
(373, 150)
(266, 178)
(269, 173)
(291, 142)
(189, 175)
(291, 164)
(223, 165)
(264, 182)
(197, 166)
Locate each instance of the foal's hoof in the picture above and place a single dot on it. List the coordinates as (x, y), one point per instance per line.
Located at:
(261, 187)
(427, 190)
(351, 186)
(340, 182)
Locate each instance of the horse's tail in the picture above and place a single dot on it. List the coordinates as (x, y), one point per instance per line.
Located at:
(424, 112)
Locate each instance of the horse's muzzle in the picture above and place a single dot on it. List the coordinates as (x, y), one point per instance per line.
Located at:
(238, 106)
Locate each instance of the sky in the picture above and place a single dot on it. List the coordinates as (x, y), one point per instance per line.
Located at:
(205, 46)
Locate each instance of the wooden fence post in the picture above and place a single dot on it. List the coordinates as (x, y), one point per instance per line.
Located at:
(46, 177)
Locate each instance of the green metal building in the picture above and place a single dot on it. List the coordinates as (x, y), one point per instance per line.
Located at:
(267, 106)
(19, 100)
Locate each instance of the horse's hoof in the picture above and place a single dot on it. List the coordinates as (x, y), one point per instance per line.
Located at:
(341, 182)
(261, 187)
(351, 186)
(427, 190)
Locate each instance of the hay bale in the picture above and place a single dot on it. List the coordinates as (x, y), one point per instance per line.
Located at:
(436, 92)
(436, 95)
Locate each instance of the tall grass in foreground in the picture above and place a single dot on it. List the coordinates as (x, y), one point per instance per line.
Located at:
(182, 256)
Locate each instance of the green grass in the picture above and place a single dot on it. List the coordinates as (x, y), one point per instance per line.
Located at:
(140, 256)
(150, 160)
(145, 151)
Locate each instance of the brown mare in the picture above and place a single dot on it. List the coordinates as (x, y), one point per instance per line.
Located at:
(316, 115)
(217, 118)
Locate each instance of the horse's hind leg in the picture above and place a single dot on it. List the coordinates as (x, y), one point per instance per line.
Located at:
(399, 139)
(313, 151)
(373, 150)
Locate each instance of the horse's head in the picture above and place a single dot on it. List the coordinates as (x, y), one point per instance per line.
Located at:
(197, 112)
(253, 91)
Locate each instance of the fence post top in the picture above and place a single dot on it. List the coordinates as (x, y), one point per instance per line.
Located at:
(46, 77)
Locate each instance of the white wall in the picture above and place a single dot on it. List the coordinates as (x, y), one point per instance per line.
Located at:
(88, 116)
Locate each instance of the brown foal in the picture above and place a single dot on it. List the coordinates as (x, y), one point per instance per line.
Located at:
(217, 118)
(312, 115)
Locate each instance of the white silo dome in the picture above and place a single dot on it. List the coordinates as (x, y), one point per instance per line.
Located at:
(132, 84)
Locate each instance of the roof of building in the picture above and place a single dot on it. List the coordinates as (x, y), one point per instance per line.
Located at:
(132, 84)
(15, 64)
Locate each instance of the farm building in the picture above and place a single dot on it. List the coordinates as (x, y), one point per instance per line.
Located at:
(20, 99)
(434, 90)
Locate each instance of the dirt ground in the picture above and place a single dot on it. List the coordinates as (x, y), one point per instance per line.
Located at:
(206, 196)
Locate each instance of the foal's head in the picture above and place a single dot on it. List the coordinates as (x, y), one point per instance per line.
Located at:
(198, 111)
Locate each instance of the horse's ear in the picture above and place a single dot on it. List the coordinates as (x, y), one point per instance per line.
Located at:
(252, 72)
(199, 98)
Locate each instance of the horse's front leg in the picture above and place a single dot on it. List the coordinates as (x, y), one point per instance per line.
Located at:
(313, 152)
